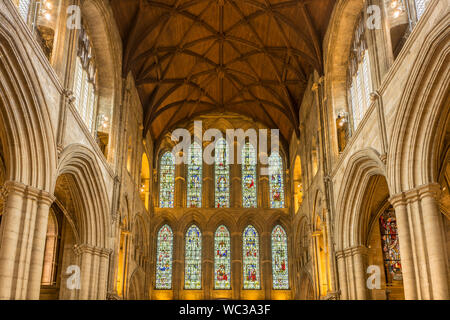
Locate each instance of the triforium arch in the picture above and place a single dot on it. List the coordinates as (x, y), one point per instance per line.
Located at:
(416, 150)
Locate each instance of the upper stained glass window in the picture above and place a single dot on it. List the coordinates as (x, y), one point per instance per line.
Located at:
(164, 258)
(390, 246)
(193, 259)
(222, 175)
(250, 249)
(194, 176)
(276, 183)
(222, 259)
(249, 192)
(280, 274)
(166, 181)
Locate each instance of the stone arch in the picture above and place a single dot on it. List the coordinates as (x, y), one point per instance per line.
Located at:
(25, 132)
(80, 163)
(423, 112)
(361, 167)
(136, 290)
(219, 218)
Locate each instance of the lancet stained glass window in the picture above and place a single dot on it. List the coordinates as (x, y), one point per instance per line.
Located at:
(222, 175)
(167, 181)
(222, 259)
(276, 183)
(193, 259)
(249, 192)
(250, 249)
(280, 273)
(390, 246)
(194, 176)
(164, 258)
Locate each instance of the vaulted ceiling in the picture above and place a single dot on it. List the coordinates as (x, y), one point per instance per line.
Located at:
(252, 57)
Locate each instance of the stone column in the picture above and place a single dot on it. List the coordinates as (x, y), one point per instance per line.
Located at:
(178, 263)
(38, 250)
(266, 264)
(406, 250)
(342, 272)
(236, 264)
(350, 274)
(24, 228)
(359, 268)
(236, 186)
(94, 267)
(435, 241)
(208, 191)
(208, 264)
(263, 190)
(180, 186)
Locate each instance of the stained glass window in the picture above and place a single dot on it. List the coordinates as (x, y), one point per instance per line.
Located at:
(193, 259)
(250, 249)
(276, 183)
(222, 259)
(249, 195)
(280, 273)
(166, 181)
(222, 175)
(164, 258)
(390, 246)
(194, 176)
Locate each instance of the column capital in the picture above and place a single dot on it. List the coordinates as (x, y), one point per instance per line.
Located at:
(352, 251)
(86, 248)
(23, 189)
(427, 190)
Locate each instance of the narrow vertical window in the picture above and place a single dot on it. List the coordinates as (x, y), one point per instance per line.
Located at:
(390, 246)
(250, 249)
(164, 257)
(249, 192)
(358, 75)
(222, 175)
(222, 259)
(167, 181)
(193, 259)
(280, 273)
(194, 176)
(85, 80)
(421, 6)
(24, 8)
(276, 182)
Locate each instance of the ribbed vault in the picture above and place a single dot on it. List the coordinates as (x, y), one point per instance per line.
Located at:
(252, 57)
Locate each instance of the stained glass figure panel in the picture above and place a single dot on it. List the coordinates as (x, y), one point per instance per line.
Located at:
(193, 259)
(280, 273)
(276, 182)
(249, 192)
(167, 181)
(194, 176)
(390, 246)
(222, 175)
(222, 259)
(164, 257)
(250, 249)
